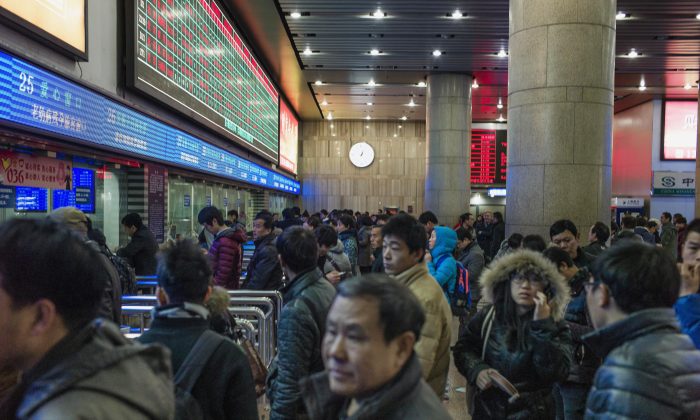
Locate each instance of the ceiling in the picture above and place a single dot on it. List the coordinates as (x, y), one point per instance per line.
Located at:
(341, 35)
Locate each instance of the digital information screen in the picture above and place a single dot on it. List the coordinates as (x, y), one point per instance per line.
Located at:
(31, 199)
(81, 196)
(680, 130)
(488, 157)
(188, 55)
(289, 139)
(36, 98)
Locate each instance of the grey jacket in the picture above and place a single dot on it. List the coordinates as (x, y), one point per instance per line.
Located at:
(406, 397)
(340, 259)
(364, 247)
(472, 258)
(669, 239)
(107, 377)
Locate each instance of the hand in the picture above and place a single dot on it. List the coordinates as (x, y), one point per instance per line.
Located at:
(334, 277)
(483, 380)
(690, 279)
(427, 257)
(542, 309)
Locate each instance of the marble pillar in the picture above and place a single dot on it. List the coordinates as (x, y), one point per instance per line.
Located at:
(560, 113)
(448, 131)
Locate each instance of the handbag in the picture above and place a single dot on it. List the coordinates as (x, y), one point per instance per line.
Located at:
(257, 366)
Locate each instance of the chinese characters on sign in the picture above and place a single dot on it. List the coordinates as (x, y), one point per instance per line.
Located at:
(674, 183)
(19, 169)
(157, 179)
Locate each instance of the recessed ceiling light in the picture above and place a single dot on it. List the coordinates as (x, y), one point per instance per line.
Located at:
(307, 51)
(396, 135)
(411, 103)
(502, 53)
(378, 14)
(688, 86)
(332, 126)
(366, 126)
(633, 53)
(697, 16)
(421, 84)
(500, 104)
(475, 84)
(324, 103)
(371, 83)
(457, 14)
(295, 15)
(329, 117)
(400, 126)
(404, 118)
(642, 85)
(500, 118)
(374, 52)
(333, 134)
(621, 15)
(368, 117)
(437, 53)
(369, 104)
(318, 82)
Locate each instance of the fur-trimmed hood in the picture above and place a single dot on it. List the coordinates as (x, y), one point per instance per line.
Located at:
(218, 301)
(532, 262)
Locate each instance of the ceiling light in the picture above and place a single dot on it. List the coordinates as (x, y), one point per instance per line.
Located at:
(642, 85)
(475, 84)
(295, 15)
(457, 14)
(421, 84)
(688, 86)
(307, 51)
(404, 118)
(633, 53)
(332, 126)
(502, 53)
(500, 104)
(371, 83)
(369, 104)
(324, 103)
(366, 126)
(697, 16)
(318, 82)
(437, 53)
(329, 117)
(500, 118)
(411, 103)
(400, 126)
(368, 118)
(374, 52)
(378, 14)
(621, 15)
(333, 134)
(396, 135)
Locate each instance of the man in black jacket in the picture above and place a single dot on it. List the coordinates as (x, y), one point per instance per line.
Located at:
(564, 234)
(143, 247)
(225, 388)
(264, 270)
(651, 370)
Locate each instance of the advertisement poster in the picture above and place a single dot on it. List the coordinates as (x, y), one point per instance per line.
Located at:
(289, 139)
(156, 181)
(680, 130)
(34, 171)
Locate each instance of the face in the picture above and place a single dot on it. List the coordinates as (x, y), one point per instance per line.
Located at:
(567, 242)
(524, 291)
(259, 229)
(595, 295)
(129, 230)
(14, 327)
(397, 257)
(432, 240)
(323, 250)
(356, 355)
(691, 249)
(488, 218)
(470, 221)
(210, 228)
(463, 244)
(663, 219)
(341, 227)
(591, 236)
(376, 237)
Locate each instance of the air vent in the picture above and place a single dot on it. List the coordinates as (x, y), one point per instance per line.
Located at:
(376, 35)
(445, 36)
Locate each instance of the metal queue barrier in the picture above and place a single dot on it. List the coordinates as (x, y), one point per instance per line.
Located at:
(147, 284)
(257, 316)
(264, 304)
(274, 295)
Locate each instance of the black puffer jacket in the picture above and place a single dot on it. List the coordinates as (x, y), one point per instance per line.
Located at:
(584, 361)
(651, 370)
(264, 269)
(545, 358)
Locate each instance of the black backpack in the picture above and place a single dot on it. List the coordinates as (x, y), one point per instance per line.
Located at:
(127, 274)
(186, 406)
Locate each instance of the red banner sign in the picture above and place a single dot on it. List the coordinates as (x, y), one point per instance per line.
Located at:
(33, 171)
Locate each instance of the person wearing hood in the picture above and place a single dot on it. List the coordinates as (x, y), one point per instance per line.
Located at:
(332, 260)
(225, 251)
(441, 264)
(348, 236)
(522, 336)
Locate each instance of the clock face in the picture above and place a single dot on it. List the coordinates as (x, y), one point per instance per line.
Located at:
(361, 155)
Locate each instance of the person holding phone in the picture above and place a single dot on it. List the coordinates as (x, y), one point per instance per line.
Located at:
(521, 338)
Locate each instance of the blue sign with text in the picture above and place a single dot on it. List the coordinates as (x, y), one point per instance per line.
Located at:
(37, 98)
(188, 200)
(7, 197)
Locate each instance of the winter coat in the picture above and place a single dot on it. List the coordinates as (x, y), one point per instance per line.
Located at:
(650, 371)
(225, 388)
(594, 249)
(378, 264)
(546, 354)
(582, 260)
(336, 260)
(406, 397)
(472, 258)
(225, 257)
(688, 314)
(364, 247)
(307, 299)
(97, 373)
(498, 235)
(647, 236)
(264, 269)
(669, 239)
(349, 240)
(484, 233)
(584, 361)
(443, 266)
(433, 348)
(141, 252)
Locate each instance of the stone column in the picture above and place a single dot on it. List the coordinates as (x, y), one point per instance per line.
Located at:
(448, 129)
(560, 111)
(697, 161)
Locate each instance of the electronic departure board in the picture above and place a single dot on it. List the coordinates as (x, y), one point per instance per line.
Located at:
(37, 98)
(488, 157)
(31, 199)
(81, 196)
(188, 55)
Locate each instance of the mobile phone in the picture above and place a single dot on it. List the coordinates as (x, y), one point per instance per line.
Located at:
(342, 274)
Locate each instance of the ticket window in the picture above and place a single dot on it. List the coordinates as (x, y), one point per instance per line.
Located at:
(181, 209)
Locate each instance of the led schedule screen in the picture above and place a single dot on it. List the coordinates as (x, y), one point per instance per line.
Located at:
(488, 157)
(31, 199)
(188, 55)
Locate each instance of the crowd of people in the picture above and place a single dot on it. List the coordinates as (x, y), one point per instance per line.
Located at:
(551, 328)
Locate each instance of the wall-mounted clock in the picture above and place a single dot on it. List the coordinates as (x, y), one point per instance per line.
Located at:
(361, 154)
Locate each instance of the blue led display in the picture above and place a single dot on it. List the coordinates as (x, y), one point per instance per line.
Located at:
(37, 98)
(31, 199)
(81, 196)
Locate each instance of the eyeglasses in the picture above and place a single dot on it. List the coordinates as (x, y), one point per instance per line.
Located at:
(519, 281)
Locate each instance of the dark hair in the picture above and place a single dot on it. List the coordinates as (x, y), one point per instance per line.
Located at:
(601, 232)
(515, 241)
(558, 256)
(465, 233)
(232, 213)
(652, 224)
(296, 211)
(298, 249)
(132, 219)
(314, 221)
(676, 216)
(464, 217)
(667, 215)
(693, 226)
(324, 211)
(407, 229)
(534, 243)
(383, 217)
(399, 308)
(347, 221)
(42, 259)
(562, 225)
(640, 221)
(364, 220)
(498, 216)
(266, 217)
(639, 276)
(184, 273)
(305, 213)
(427, 216)
(681, 220)
(629, 222)
(287, 214)
(208, 214)
(326, 235)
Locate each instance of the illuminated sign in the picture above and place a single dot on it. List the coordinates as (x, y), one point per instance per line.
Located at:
(31, 199)
(673, 183)
(289, 139)
(488, 157)
(36, 98)
(188, 55)
(60, 21)
(680, 130)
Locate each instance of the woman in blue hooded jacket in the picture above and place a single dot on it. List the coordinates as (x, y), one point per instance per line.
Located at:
(442, 264)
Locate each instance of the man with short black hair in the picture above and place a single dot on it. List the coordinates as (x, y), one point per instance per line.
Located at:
(669, 235)
(225, 253)
(429, 220)
(597, 237)
(376, 240)
(650, 369)
(307, 297)
(404, 241)
(224, 388)
(332, 260)
(372, 371)
(564, 235)
(51, 283)
(232, 220)
(264, 270)
(348, 236)
(142, 249)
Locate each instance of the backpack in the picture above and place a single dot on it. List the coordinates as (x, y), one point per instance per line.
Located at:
(460, 297)
(186, 406)
(127, 274)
